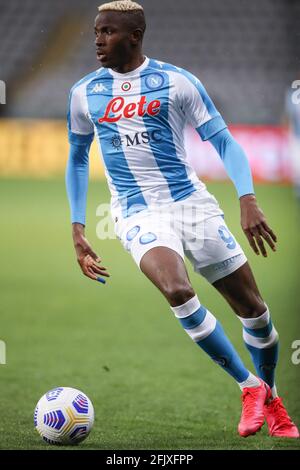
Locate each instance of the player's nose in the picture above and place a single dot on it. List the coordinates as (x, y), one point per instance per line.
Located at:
(99, 41)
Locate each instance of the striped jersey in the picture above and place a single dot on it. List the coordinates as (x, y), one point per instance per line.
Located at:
(138, 119)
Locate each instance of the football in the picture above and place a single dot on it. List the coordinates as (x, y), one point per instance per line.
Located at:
(64, 416)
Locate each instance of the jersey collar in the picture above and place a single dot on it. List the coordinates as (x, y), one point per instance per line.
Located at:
(133, 73)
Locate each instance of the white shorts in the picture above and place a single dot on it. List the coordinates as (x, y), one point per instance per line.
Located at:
(193, 227)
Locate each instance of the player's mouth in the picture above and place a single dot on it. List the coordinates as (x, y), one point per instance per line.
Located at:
(101, 55)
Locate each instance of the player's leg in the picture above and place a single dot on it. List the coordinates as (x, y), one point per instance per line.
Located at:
(234, 279)
(158, 251)
(166, 270)
(261, 339)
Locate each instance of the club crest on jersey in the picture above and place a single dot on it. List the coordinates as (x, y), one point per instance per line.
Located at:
(154, 81)
(116, 109)
(126, 86)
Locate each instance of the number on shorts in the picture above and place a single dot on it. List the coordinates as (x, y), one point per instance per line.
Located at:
(227, 237)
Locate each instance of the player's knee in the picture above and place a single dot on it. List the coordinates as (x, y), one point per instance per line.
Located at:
(179, 294)
(254, 308)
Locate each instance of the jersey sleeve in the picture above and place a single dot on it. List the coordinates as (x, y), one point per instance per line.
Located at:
(77, 178)
(198, 107)
(235, 161)
(80, 128)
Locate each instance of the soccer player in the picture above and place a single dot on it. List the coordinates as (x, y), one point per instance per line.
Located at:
(137, 109)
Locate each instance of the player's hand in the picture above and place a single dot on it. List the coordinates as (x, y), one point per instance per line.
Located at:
(88, 260)
(255, 226)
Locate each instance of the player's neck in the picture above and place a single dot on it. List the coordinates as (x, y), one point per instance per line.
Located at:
(131, 65)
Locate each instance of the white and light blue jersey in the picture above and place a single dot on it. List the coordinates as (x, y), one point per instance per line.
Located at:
(138, 119)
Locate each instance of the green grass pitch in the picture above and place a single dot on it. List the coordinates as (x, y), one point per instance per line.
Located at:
(152, 388)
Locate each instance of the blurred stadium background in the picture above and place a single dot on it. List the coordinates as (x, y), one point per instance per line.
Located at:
(244, 52)
(57, 327)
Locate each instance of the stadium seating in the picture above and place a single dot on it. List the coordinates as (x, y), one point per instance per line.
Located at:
(242, 51)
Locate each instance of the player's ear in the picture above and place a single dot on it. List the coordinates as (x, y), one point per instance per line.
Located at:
(136, 36)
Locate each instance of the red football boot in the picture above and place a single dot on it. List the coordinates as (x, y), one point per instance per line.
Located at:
(253, 401)
(278, 420)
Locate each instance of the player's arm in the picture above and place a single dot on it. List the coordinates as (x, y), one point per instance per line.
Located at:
(202, 114)
(253, 221)
(77, 174)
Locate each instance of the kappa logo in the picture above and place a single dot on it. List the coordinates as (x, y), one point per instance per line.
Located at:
(98, 88)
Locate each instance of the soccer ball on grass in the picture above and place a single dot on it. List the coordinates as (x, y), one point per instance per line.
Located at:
(64, 415)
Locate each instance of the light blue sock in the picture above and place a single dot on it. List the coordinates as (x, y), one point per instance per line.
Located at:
(261, 340)
(207, 332)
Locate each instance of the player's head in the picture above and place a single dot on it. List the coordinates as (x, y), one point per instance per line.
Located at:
(119, 29)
